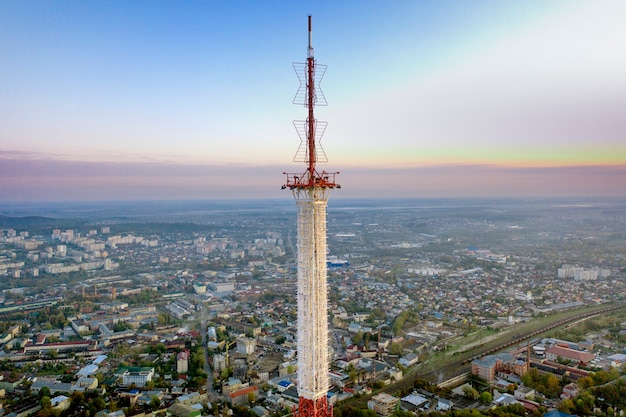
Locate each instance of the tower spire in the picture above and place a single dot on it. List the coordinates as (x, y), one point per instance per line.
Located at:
(310, 61)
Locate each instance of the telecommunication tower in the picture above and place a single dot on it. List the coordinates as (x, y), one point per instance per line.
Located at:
(310, 190)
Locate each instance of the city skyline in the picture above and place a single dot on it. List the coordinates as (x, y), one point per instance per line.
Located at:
(155, 100)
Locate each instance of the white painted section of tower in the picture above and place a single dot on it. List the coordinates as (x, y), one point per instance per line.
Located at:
(313, 363)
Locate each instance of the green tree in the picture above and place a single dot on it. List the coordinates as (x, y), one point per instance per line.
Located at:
(77, 399)
(395, 348)
(357, 339)
(486, 397)
(567, 406)
(44, 392)
(378, 385)
(470, 392)
(352, 373)
(398, 323)
(376, 315)
(98, 403)
(120, 326)
(45, 402)
(155, 403)
(553, 389)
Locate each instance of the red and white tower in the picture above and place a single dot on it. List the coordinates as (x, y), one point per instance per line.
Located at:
(310, 189)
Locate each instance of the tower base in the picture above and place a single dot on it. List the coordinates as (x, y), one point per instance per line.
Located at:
(313, 408)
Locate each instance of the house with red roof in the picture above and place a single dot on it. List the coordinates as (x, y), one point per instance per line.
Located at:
(241, 397)
(573, 355)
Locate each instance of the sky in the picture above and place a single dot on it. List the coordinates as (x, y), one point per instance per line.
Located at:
(154, 100)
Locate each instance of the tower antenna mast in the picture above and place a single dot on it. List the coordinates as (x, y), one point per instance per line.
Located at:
(310, 190)
(310, 130)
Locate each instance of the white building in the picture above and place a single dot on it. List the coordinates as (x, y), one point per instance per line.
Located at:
(223, 286)
(199, 287)
(246, 345)
(219, 362)
(138, 376)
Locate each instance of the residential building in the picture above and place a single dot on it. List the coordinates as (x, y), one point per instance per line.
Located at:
(137, 376)
(182, 362)
(244, 395)
(383, 404)
(245, 345)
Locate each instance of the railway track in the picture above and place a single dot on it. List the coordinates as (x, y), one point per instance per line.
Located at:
(462, 364)
(518, 339)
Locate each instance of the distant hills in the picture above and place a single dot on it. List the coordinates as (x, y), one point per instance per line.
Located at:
(27, 221)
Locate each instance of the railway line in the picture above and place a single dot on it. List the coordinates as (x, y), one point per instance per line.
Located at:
(462, 364)
(528, 335)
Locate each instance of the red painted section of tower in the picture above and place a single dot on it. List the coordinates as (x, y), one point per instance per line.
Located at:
(313, 408)
(310, 63)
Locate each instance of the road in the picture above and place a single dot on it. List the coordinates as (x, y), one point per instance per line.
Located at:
(213, 395)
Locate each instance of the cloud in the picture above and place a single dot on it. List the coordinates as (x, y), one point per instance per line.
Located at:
(488, 181)
(33, 178)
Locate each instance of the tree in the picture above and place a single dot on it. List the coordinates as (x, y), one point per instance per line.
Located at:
(553, 389)
(45, 402)
(352, 374)
(98, 403)
(77, 399)
(357, 339)
(398, 323)
(585, 403)
(486, 397)
(196, 362)
(120, 326)
(155, 403)
(567, 406)
(602, 377)
(378, 385)
(242, 412)
(376, 315)
(395, 348)
(44, 392)
(470, 392)
(585, 382)
(531, 378)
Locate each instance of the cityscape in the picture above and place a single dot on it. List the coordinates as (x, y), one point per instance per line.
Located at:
(189, 308)
(469, 260)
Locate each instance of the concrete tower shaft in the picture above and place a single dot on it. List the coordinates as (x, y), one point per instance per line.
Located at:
(313, 366)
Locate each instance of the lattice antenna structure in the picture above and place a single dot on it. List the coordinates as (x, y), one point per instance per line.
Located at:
(310, 190)
(310, 130)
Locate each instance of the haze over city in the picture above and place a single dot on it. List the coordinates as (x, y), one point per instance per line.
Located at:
(158, 100)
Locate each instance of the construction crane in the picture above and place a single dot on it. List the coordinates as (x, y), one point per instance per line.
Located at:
(228, 345)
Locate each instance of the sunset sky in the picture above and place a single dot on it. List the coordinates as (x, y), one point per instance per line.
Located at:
(122, 100)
